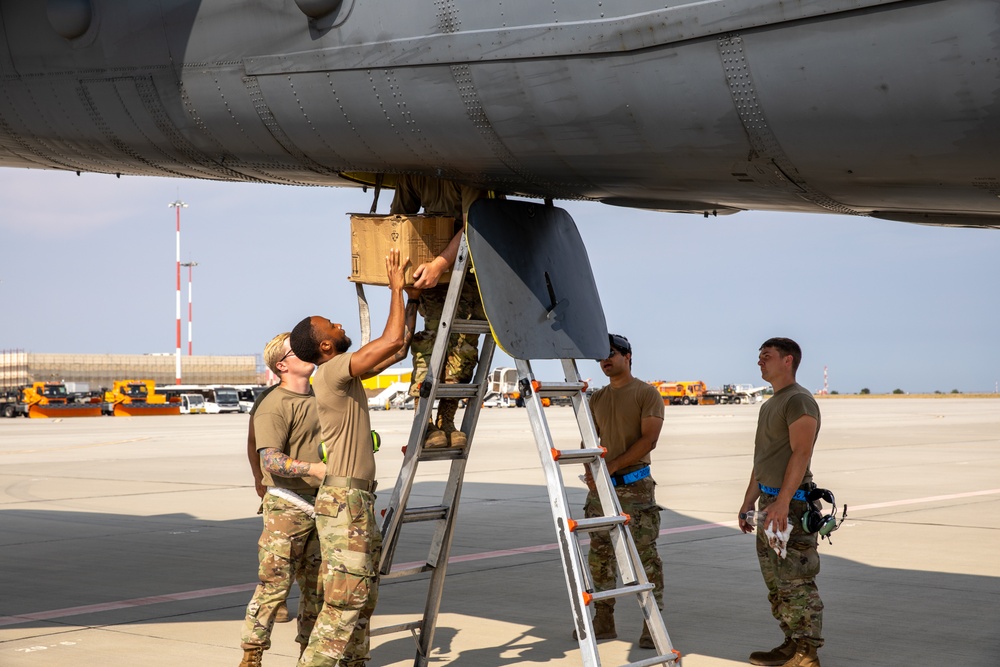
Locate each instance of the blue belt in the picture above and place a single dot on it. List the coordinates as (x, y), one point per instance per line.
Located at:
(630, 478)
(771, 491)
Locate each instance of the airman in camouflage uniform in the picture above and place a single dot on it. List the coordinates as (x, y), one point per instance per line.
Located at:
(628, 414)
(446, 198)
(787, 428)
(350, 540)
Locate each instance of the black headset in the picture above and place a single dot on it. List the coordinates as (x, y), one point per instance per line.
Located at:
(814, 521)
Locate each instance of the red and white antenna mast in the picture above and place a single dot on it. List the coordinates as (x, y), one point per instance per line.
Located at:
(178, 205)
(190, 266)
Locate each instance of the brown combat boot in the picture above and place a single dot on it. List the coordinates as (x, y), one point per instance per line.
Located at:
(604, 623)
(434, 438)
(646, 638)
(252, 657)
(281, 614)
(776, 656)
(447, 407)
(805, 656)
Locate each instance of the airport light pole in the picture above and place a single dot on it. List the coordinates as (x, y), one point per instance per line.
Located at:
(178, 205)
(190, 266)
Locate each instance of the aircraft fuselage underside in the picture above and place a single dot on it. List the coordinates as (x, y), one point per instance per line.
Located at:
(867, 107)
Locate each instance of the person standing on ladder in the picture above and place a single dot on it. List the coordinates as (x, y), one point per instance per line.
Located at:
(441, 197)
(628, 414)
(787, 428)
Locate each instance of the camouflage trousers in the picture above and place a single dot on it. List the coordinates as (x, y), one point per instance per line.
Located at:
(791, 581)
(351, 544)
(463, 349)
(288, 551)
(638, 500)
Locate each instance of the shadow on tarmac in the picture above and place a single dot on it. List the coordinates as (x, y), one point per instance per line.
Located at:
(514, 608)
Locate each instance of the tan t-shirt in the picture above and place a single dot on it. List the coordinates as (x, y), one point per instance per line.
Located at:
(437, 197)
(288, 422)
(772, 446)
(618, 414)
(345, 425)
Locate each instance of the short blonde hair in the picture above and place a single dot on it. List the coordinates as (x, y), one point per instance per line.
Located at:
(274, 351)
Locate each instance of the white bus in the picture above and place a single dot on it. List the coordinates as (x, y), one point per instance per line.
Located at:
(248, 394)
(218, 398)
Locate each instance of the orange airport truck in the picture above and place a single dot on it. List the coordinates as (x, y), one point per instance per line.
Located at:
(46, 399)
(686, 392)
(138, 398)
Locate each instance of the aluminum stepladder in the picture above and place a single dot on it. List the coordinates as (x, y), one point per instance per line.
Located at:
(398, 512)
(569, 530)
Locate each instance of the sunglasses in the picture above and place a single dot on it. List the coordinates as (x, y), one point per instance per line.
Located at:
(611, 355)
(287, 354)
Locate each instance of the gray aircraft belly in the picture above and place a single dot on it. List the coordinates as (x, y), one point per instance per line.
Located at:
(869, 107)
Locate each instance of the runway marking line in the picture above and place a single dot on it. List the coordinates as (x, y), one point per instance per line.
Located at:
(485, 555)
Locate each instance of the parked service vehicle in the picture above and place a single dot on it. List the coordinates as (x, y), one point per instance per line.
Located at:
(218, 398)
(138, 398)
(684, 392)
(192, 404)
(733, 393)
(46, 399)
(248, 396)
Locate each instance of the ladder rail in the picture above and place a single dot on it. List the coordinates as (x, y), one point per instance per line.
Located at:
(572, 558)
(428, 392)
(603, 486)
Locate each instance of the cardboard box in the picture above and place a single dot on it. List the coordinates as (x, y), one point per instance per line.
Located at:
(419, 237)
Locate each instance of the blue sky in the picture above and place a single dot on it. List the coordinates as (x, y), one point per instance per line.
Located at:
(87, 264)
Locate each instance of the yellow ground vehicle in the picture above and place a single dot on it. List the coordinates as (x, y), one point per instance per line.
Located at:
(50, 399)
(136, 398)
(680, 393)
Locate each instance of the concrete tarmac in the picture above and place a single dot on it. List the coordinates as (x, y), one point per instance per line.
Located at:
(132, 541)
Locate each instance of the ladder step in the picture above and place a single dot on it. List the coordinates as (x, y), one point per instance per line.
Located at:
(557, 389)
(619, 592)
(440, 453)
(457, 390)
(399, 627)
(470, 326)
(597, 523)
(429, 513)
(564, 456)
(406, 572)
(672, 659)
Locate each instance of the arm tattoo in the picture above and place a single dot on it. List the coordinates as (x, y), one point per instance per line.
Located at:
(282, 465)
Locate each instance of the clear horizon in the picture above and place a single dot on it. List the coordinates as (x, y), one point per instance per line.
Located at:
(88, 266)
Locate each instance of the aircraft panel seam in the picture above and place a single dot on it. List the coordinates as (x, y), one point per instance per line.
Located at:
(274, 128)
(611, 36)
(766, 152)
